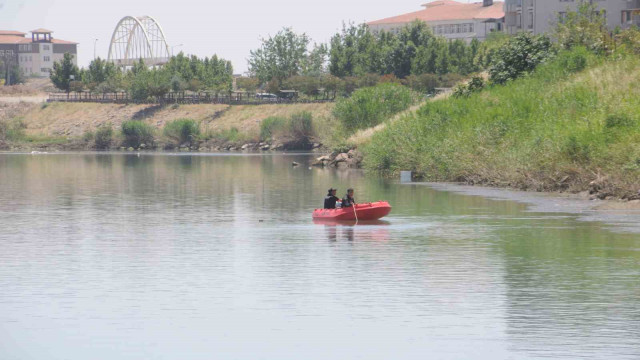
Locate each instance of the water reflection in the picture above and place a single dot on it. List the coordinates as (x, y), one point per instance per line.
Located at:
(210, 253)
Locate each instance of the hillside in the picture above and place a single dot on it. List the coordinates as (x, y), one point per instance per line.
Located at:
(553, 130)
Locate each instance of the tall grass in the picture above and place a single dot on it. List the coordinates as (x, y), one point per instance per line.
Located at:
(297, 126)
(12, 130)
(103, 137)
(574, 120)
(370, 106)
(136, 133)
(182, 131)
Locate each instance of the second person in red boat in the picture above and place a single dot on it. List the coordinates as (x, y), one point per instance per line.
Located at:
(348, 200)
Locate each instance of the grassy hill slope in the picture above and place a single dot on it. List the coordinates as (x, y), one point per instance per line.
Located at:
(556, 129)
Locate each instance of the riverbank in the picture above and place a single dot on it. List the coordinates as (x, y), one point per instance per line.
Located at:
(69, 126)
(619, 215)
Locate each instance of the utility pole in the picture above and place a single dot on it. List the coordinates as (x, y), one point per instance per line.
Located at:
(175, 46)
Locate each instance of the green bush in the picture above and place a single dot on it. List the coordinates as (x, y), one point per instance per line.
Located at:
(182, 131)
(88, 136)
(270, 126)
(298, 126)
(370, 106)
(104, 136)
(136, 133)
(301, 125)
(475, 84)
(520, 55)
(575, 60)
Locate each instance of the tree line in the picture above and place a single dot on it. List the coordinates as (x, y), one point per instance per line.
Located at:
(180, 73)
(358, 57)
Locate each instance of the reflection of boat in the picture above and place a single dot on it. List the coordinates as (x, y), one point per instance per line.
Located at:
(333, 222)
(365, 211)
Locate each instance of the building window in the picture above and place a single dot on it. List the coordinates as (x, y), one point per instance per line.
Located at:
(562, 16)
(46, 58)
(46, 47)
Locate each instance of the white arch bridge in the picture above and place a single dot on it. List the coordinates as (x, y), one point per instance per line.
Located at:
(137, 38)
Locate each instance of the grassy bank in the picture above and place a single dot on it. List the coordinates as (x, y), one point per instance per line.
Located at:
(560, 128)
(74, 125)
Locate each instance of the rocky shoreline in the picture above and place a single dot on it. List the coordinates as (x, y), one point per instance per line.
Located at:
(341, 160)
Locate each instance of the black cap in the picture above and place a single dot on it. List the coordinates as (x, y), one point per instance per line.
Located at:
(331, 189)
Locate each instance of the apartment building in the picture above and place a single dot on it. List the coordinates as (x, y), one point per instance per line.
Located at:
(36, 54)
(540, 16)
(450, 19)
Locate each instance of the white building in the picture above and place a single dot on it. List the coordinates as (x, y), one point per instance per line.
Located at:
(540, 16)
(34, 55)
(451, 19)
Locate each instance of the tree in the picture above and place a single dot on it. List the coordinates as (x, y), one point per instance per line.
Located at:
(584, 27)
(349, 50)
(99, 71)
(247, 83)
(279, 57)
(11, 72)
(315, 63)
(63, 72)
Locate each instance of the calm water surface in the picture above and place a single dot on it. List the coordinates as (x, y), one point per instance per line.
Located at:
(114, 256)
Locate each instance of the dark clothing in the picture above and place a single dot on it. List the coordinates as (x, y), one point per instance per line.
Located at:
(330, 202)
(348, 201)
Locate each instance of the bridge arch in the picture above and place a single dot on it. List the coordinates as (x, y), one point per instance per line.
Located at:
(137, 38)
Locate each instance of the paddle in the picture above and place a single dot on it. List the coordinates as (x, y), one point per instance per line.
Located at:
(354, 212)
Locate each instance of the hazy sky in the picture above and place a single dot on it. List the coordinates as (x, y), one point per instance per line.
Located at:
(228, 28)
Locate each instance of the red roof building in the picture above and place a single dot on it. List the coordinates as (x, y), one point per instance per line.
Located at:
(451, 19)
(36, 54)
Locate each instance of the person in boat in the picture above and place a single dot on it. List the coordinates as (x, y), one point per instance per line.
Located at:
(331, 199)
(348, 200)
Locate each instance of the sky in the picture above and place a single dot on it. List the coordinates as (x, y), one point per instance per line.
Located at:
(229, 28)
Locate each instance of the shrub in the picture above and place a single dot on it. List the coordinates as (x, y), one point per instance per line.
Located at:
(88, 136)
(182, 131)
(574, 60)
(301, 125)
(520, 55)
(104, 136)
(270, 125)
(298, 126)
(475, 84)
(368, 107)
(585, 27)
(136, 133)
(424, 83)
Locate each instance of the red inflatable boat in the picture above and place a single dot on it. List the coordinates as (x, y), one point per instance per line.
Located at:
(365, 211)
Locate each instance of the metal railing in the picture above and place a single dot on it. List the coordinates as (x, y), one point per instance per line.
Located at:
(174, 98)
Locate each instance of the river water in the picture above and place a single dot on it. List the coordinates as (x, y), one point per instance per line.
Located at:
(167, 256)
